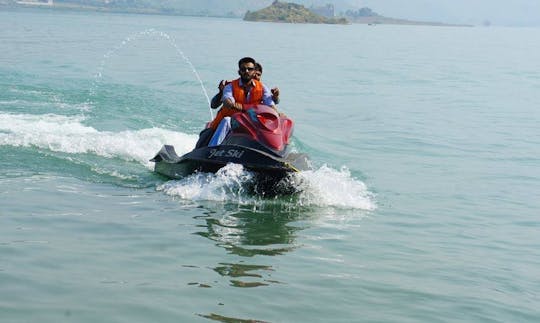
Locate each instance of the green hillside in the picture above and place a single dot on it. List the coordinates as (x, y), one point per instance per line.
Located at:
(290, 13)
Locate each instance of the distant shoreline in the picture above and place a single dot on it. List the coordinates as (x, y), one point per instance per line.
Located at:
(381, 20)
(26, 5)
(374, 20)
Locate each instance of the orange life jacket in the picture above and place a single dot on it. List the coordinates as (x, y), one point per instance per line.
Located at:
(255, 96)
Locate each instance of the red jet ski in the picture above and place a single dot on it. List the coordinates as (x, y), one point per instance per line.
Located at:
(259, 140)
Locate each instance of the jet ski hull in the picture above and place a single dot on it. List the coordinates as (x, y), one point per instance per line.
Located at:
(211, 159)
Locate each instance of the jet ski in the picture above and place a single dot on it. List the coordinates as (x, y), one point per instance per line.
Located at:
(259, 140)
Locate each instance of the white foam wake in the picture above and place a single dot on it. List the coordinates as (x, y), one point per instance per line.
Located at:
(70, 135)
(227, 185)
(338, 188)
(323, 187)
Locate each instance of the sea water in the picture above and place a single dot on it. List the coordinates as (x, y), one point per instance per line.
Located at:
(422, 205)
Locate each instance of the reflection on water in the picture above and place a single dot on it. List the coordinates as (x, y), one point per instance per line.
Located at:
(249, 231)
(242, 270)
(221, 318)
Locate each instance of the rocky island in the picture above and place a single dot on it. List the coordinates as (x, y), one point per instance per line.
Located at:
(296, 13)
(290, 13)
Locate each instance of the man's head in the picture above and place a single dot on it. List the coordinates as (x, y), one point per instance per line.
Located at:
(246, 68)
(258, 72)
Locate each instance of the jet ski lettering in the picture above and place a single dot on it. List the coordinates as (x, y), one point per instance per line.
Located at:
(230, 153)
(235, 153)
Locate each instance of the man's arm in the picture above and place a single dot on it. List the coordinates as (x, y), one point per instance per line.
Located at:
(267, 97)
(228, 99)
(275, 94)
(216, 101)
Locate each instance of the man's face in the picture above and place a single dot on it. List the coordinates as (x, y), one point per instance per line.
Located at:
(247, 71)
(257, 75)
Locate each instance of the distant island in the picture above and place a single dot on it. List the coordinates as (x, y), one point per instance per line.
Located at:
(290, 13)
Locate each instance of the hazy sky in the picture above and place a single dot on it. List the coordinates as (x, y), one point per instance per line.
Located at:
(499, 12)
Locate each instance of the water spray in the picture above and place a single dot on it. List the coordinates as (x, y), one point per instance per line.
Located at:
(150, 32)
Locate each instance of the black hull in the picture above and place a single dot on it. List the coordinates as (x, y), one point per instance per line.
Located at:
(211, 159)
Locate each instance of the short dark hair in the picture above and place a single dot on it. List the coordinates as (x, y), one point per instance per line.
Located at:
(246, 60)
(258, 67)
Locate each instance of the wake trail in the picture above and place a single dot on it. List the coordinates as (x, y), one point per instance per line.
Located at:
(69, 135)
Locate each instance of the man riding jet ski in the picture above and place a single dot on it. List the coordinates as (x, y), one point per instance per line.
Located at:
(248, 89)
(244, 131)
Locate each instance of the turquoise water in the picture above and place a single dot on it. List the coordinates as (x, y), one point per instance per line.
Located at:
(422, 205)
